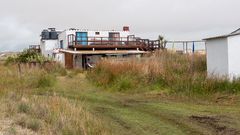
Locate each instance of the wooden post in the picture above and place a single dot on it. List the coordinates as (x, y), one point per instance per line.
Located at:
(186, 47)
(19, 69)
(183, 47)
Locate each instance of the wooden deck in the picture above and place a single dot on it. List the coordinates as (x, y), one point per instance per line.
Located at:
(105, 43)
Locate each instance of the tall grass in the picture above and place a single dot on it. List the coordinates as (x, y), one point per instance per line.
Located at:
(52, 115)
(45, 113)
(12, 79)
(162, 70)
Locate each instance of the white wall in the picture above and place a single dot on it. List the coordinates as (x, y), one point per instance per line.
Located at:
(234, 56)
(106, 33)
(47, 47)
(64, 35)
(217, 57)
(59, 57)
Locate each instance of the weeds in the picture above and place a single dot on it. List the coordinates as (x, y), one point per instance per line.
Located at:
(163, 70)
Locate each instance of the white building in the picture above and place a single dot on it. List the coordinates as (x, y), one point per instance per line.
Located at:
(49, 41)
(63, 37)
(223, 55)
(76, 48)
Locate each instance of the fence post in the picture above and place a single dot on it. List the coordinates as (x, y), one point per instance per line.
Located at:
(193, 47)
(19, 69)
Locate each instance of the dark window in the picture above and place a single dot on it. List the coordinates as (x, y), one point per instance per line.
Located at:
(97, 33)
(61, 44)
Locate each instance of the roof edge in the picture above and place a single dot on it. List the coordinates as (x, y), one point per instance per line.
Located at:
(223, 36)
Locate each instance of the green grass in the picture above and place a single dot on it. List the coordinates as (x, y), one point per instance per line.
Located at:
(163, 114)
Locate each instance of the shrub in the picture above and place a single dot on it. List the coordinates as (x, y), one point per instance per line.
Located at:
(9, 60)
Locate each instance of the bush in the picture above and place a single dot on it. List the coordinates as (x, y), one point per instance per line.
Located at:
(27, 56)
(9, 60)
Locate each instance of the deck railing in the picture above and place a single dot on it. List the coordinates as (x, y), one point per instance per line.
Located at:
(73, 41)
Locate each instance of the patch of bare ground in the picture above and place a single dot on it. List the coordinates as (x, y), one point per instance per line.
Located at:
(213, 123)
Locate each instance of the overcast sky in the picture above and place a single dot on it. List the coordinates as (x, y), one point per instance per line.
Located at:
(21, 21)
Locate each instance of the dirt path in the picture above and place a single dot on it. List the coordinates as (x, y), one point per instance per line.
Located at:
(213, 123)
(125, 114)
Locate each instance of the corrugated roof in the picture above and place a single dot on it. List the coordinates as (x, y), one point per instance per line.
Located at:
(234, 33)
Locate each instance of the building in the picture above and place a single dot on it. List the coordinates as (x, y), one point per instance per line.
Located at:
(223, 55)
(49, 41)
(76, 48)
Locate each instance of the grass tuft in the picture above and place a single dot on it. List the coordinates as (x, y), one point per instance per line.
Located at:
(24, 108)
(46, 81)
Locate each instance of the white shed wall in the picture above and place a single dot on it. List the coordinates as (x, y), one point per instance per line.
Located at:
(217, 57)
(234, 56)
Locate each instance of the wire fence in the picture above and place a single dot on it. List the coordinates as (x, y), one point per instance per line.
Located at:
(187, 46)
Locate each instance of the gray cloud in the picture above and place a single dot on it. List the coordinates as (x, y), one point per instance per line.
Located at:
(21, 21)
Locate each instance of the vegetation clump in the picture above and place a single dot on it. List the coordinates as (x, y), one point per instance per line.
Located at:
(27, 56)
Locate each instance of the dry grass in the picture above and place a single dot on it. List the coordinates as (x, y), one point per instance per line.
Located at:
(43, 114)
(162, 70)
(52, 115)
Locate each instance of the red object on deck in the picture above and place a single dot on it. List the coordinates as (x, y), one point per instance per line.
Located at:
(126, 28)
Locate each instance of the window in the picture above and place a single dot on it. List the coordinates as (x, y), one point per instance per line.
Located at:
(97, 33)
(61, 44)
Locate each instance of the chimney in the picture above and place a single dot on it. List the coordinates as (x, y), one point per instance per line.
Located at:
(126, 28)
